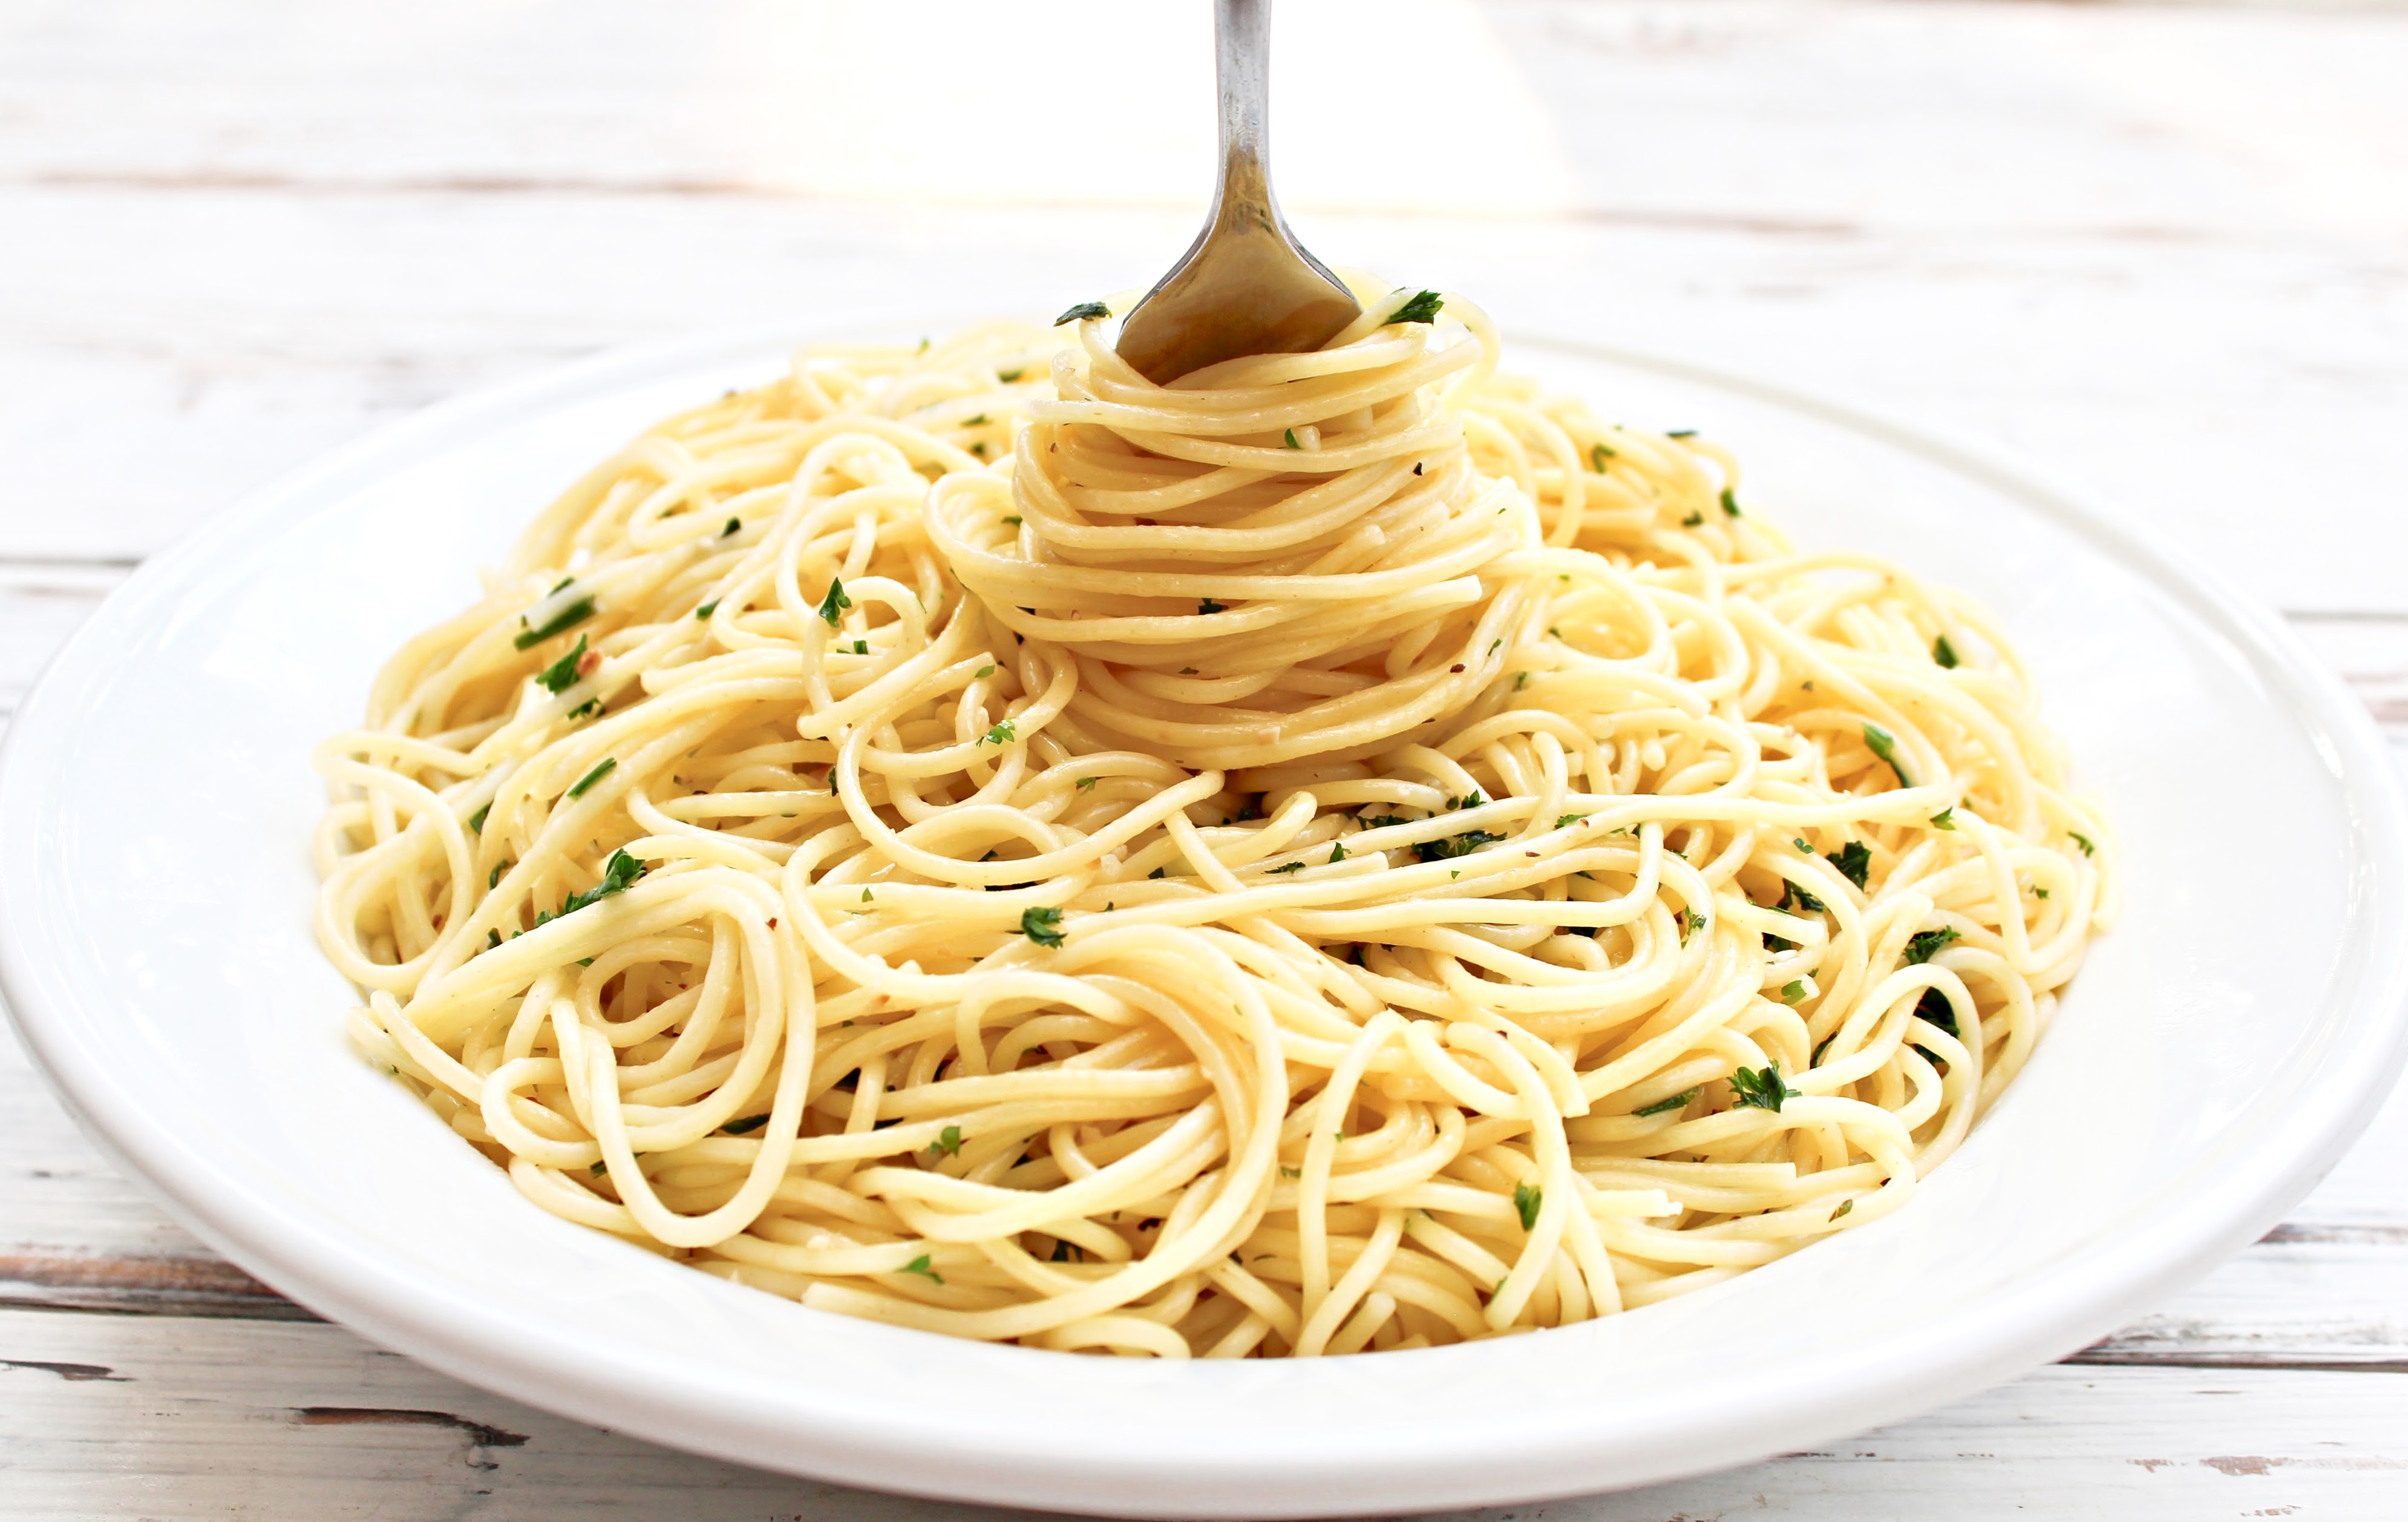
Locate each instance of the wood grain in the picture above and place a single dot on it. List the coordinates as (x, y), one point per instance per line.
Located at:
(335, 1429)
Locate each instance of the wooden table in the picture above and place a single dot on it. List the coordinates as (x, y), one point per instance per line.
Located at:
(2162, 249)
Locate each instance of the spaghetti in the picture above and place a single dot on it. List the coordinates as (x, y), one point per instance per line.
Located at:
(1343, 852)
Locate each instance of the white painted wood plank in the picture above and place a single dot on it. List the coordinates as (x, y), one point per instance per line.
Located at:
(106, 1417)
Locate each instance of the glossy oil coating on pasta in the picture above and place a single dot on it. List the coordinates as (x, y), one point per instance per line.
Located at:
(1345, 851)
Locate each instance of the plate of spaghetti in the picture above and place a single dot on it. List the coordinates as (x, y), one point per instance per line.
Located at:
(1431, 923)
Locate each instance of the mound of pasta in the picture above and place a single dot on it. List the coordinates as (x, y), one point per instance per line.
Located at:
(1342, 852)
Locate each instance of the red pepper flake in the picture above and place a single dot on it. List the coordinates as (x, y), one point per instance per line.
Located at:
(773, 924)
(1456, 667)
(586, 667)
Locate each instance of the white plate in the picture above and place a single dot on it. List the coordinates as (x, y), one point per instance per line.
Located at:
(2214, 1058)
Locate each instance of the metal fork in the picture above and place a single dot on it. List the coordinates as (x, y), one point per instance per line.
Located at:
(1245, 286)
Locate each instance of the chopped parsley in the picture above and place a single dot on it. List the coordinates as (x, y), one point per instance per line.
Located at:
(2083, 842)
(1157, 873)
(1691, 923)
(1455, 845)
(1291, 439)
(1800, 841)
(1692, 519)
(706, 608)
(561, 675)
(477, 820)
(1567, 821)
(1042, 925)
(1085, 311)
(1208, 607)
(1001, 733)
(560, 622)
(749, 1124)
(587, 709)
(733, 525)
(1598, 456)
(1926, 944)
(603, 769)
(1470, 800)
(1420, 307)
(978, 422)
(1087, 782)
(1934, 1010)
(1945, 818)
(1064, 1253)
(1845, 1206)
(1944, 652)
(982, 671)
(949, 1141)
(1730, 503)
(619, 874)
(861, 647)
(1794, 895)
(1853, 861)
(1007, 377)
(1880, 742)
(1794, 990)
(1666, 1106)
(1383, 820)
(1526, 1204)
(1760, 1089)
(1680, 433)
(832, 607)
(920, 1266)
(1336, 851)
(1290, 867)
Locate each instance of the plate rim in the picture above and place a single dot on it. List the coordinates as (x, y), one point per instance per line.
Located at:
(2187, 1236)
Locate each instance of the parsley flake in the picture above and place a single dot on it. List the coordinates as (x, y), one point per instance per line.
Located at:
(920, 1266)
(560, 622)
(1007, 377)
(733, 525)
(832, 607)
(1598, 456)
(1455, 845)
(1567, 821)
(1085, 311)
(1666, 1106)
(982, 671)
(1290, 867)
(949, 1141)
(1794, 990)
(1042, 925)
(1881, 743)
(1944, 652)
(1423, 307)
(1926, 944)
(1760, 1090)
(1527, 1200)
(2083, 842)
(477, 820)
(607, 765)
(749, 1124)
(1853, 861)
(1945, 818)
(1730, 503)
(1086, 784)
(706, 608)
(619, 874)
(1208, 605)
(1291, 439)
(561, 675)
